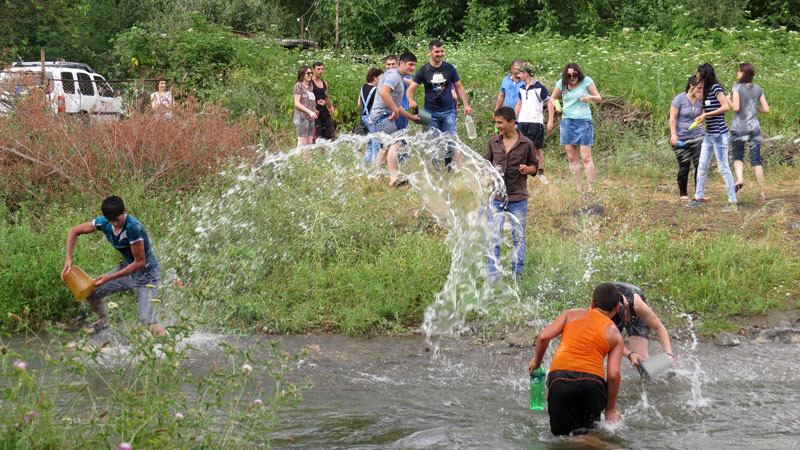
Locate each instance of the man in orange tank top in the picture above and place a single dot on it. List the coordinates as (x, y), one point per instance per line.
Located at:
(578, 389)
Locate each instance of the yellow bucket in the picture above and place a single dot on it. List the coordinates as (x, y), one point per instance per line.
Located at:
(79, 283)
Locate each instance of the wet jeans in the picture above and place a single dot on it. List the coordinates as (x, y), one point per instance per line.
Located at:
(373, 146)
(718, 144)
(518, 211)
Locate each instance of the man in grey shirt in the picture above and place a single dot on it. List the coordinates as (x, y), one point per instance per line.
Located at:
(386, 111)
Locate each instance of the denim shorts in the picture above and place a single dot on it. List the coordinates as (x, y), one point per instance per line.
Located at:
(753, 138)
(577, 132)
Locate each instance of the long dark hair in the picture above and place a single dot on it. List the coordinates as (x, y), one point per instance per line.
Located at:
(301, 73)
(706, 74)
(565, 80)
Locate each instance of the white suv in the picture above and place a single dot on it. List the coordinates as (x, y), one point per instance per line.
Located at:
(72, 88)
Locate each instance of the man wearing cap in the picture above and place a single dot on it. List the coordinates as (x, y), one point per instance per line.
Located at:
(509, 87)
(386, 110)
(529, 107)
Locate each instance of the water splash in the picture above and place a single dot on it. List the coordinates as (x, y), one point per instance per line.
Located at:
(458, 197)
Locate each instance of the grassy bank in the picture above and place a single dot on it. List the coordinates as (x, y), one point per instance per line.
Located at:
(299, 247)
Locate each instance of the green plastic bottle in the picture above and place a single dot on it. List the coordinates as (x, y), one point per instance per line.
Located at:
(537, 389)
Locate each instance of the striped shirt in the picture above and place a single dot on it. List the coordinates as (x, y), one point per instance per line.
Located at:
(714, 124)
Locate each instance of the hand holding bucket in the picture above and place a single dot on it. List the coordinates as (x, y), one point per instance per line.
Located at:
(78, 282)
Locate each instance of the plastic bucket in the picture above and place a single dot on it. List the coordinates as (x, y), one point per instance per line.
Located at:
(79, 283)
(424, 117)
(658, 366)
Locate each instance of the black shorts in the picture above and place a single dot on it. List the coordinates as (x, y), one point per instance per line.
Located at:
(324, 126)
(575, 401)
(534, 132)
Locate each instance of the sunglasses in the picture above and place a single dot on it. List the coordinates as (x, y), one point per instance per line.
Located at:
(572, 75)
(308, 73)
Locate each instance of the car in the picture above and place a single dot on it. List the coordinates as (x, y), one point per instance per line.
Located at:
(71, 88)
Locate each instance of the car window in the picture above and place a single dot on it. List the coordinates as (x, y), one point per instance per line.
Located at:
(85, 84)
(68, 82)
(103, 87)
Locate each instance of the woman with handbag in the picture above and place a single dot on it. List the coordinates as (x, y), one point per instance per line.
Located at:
(365, 99)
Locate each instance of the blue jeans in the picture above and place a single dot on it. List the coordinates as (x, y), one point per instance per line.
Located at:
(718, 143)
(373, 146)
(444, 121)
(519, 213)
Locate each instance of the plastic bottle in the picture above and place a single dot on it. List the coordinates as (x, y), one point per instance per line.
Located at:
(557, 104)
(537, 389)
(681, 143)
(471, 131)
(694, 124)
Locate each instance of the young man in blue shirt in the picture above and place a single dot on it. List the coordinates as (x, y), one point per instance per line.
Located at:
(138, 272)
(509, 87)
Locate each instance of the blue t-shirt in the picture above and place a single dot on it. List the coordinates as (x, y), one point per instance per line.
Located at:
(132, 231)
(714, 124)
(510, 89)
(573, 107)
(437, 81)
(402, 122)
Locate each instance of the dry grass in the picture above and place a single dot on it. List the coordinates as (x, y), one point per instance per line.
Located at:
(46, 156)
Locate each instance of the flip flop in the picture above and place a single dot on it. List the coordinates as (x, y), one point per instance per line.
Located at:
(738, 186)
(399, 182)
(95, 328)
(684, 199)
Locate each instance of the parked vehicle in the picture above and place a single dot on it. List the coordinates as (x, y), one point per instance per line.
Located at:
(71, 88)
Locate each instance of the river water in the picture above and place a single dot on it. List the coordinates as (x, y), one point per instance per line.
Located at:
(389, 392)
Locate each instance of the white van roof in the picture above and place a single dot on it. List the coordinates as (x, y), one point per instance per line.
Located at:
(54, 64)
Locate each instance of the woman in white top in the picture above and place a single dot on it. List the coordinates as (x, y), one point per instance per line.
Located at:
(161, 100)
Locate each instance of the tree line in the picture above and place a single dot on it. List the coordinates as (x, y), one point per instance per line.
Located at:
(85, 30)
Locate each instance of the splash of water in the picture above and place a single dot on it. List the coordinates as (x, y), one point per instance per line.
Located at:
(458, 196)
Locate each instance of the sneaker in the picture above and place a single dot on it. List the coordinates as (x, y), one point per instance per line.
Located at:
(543, 179)
(694, 203)
(730, 208)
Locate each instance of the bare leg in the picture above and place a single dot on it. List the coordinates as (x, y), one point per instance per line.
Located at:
(588, 163)
(759, 170)
(738, 168)
(380, 160)
(574, 163)
(540, 156)
(392, 162)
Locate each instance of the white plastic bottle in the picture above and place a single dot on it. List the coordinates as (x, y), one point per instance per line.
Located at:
(471, 132)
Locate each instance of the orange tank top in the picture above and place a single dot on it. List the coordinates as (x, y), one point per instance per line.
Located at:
(583, 346)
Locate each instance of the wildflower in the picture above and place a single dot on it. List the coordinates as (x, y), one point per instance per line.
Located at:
(247, 368)
(258, 402)
(15, 317)
(31, 415)
(18, 364)
(112, 305)
(178, 416)
(125, 446)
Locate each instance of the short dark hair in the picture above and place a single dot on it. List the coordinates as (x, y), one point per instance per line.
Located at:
(693, 81)
(506, 113)
(408, 57)
(435, 43)
(373, 73)
(606, 296)
(317, 64)
(390, 57)
(748, 72)
(112, 207)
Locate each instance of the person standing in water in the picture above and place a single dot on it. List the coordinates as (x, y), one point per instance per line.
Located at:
(139, 271)
(578, 387)
(637, 319)
(745, 100)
